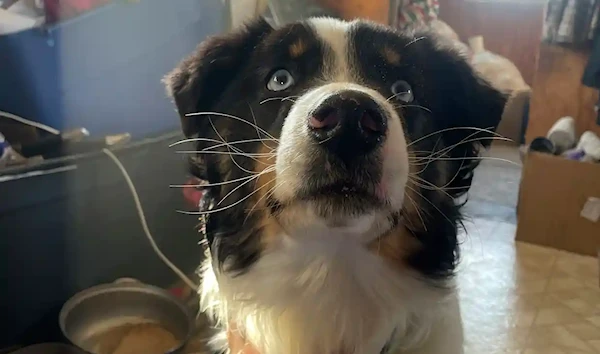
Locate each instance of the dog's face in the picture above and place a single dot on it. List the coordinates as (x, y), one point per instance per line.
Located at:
(328, 127)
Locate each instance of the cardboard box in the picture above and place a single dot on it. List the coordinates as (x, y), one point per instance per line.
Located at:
(559, 204)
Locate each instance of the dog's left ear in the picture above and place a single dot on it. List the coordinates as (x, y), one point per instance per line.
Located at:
(468, 100)
(466, 106)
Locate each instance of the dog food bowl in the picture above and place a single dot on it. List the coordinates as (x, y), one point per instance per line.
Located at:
(49, 348)
(94, 312)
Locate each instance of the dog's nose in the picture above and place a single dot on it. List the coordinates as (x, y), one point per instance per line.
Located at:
(349, 122)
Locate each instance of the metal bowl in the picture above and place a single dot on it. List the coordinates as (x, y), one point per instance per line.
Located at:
(96, 310)
(49, 348)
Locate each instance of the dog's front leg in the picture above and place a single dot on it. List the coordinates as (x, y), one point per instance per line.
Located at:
(446, 335)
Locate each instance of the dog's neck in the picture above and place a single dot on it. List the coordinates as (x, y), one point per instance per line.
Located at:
(319, 293)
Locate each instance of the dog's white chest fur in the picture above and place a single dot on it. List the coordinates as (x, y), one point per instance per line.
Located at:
(323, 294)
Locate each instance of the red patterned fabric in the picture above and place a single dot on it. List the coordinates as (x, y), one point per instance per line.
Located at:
(417, 12)
(58, 10)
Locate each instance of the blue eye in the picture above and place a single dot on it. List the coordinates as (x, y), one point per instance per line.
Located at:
(280, 80)
(402, 91)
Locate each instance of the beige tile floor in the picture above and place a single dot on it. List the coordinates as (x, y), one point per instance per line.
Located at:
(521, 298)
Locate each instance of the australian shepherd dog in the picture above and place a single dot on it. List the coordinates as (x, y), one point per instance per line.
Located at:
(338, 156)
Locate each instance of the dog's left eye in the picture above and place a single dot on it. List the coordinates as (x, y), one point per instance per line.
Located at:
(402, 91)
(280, 80)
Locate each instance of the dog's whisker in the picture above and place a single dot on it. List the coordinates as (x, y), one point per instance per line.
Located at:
(456, 174)
(209, 184)
(183, 141)
(467, 140)
(229, 148)
(266, 195)
(287, 98)
(411, 200)
(434, 149)
(256, 125)
(414, 41)
(415, 106)
(325, 140)
(452, 129)
(203, 152)
(232, 117)
(462, 142)
(478, 158)
(431, 186)
(255, 178)
(207, 212)
(431, 203)
(396, 95)
(272, 190)
(422, 183)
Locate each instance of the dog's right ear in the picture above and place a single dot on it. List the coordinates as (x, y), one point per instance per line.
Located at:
(200, 79)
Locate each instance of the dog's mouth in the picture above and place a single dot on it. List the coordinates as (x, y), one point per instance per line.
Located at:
(343, 192)
(338, 199)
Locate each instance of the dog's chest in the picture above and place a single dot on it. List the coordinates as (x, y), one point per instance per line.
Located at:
(327, 294)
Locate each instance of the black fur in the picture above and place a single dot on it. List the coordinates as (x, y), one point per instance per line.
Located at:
(447, 94)
(228, 74)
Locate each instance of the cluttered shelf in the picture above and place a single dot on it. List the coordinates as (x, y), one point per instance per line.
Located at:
(74, 83)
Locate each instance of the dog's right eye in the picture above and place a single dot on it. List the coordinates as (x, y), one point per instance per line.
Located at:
(280, 80)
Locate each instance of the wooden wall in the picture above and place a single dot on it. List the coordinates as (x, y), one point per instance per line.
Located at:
(374, 10)
(512, 29)
(558, 92)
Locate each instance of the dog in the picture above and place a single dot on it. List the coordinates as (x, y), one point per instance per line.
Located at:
(338, 155)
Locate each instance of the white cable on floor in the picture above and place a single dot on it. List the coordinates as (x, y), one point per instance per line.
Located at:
(142, 216)
(29, 122)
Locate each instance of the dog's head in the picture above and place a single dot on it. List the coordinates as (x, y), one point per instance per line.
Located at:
(327, 126)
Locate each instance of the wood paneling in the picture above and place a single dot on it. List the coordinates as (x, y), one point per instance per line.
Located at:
(512, 29)
(558, 92)
(374, 10)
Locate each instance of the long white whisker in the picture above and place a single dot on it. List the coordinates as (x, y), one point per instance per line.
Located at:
(455, 175)
(452, 147)
(466, 140)
(272, 190)
(203, 152)
(480, 158)
(267, 194)
(217, 141)
(419, 182)
(210, 184)
(395, 95)
(451, 129)
(256, 126)
(433, 150)
(415, 106)
(417, 210)
(433, 205)
(288, 98)
(223, 208)
(266, 170)
(232, 117)
(414, 41)
(230, 147)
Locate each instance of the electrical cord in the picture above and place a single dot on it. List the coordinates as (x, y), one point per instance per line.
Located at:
(30, 123)
(142, 217)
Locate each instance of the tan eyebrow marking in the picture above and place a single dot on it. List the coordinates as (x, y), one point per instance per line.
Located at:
(390, 55)
(298, 48)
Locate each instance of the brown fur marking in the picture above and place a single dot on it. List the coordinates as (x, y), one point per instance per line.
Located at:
(390, 55)
(266, 182)
(298, 48)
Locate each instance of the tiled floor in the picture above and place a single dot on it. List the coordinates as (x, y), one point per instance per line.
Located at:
(520, 298)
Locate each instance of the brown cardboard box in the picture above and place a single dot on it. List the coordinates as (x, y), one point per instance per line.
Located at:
(552, 195)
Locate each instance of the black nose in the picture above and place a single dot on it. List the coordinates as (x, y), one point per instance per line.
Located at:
(348, 123)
